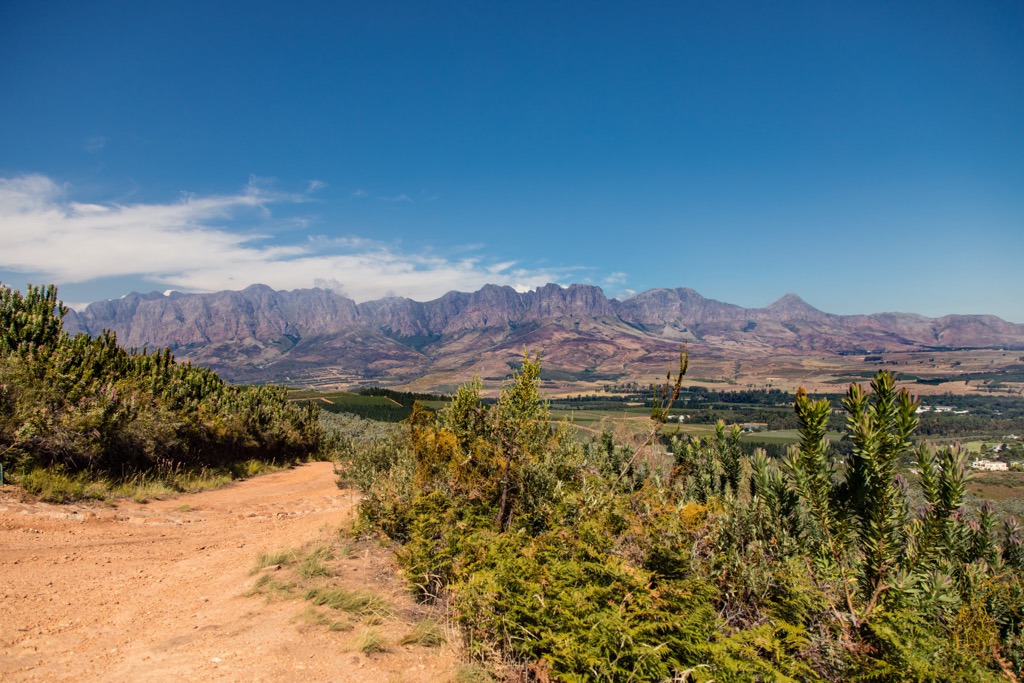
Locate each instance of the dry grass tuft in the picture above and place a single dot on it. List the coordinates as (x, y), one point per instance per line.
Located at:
(369, 642)
(427, 633)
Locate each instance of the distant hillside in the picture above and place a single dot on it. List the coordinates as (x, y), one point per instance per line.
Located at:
(259, 334)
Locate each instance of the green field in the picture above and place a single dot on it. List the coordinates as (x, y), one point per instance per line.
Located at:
(627, 414)
(392, 406)
(588, 416)
(587, 419)
(784, 436)
(371, 407)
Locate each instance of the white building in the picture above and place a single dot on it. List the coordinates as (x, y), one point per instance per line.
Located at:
(990, 466)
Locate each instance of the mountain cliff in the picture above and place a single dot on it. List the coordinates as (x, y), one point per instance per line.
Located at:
(260, 334)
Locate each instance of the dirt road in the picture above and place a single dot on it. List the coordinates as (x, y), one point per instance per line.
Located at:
(156, 591)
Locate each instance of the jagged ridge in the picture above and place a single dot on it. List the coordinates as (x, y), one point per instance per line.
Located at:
(262, 332)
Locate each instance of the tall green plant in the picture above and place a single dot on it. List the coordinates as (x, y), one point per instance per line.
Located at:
(708, 466)
(519, 427)
(855, 520)
(880, 425)
(30, 321)
(856, 517)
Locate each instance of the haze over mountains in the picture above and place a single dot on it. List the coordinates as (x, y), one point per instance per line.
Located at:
(259, 334)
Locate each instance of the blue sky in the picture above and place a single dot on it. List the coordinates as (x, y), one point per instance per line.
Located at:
(868, 156)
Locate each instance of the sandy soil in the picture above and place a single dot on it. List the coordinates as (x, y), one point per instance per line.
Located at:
(157, 591)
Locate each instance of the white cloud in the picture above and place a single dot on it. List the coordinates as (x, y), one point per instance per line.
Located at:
(616, 278)
(330, 283)
(497, 268)
(184, 245)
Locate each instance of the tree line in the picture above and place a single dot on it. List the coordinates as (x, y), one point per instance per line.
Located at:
(80, 404)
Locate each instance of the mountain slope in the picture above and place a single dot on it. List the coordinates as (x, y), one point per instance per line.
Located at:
(260, 334)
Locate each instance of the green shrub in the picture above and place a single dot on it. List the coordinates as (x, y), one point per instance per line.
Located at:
(599, 564)
(84, 406)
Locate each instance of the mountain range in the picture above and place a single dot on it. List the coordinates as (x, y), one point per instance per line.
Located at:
(319, 337)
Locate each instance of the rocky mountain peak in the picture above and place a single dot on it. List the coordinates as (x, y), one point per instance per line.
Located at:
(791, 306)
(247, 334)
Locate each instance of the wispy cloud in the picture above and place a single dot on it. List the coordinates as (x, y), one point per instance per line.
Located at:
(498, 268)
(615, 279)
(94, 144)
(398, 199)
(185, 245)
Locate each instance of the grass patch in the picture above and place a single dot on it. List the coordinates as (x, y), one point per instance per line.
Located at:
(317, 618)
(314, 574)
(340, 625)
(282, 558)
(54, 485)
(270, 587)
(354, 602)
(470, 673)
(427, 633)
(314, 562)
(307, 563)
(370, 641)
(314, 616)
